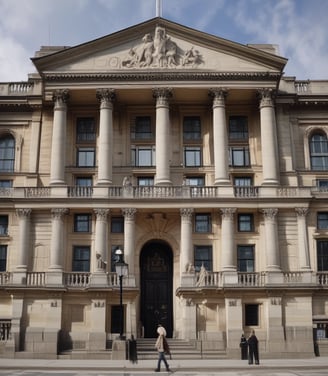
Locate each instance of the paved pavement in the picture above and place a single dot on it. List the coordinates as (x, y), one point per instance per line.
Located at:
(317, 366)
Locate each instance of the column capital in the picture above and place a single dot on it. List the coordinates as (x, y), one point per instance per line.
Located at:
(186, 213)
(60, 97)
(270, 213)
(101, 214)
(219, 94)
(23, 213)
(162, 95)
(129, 213)
(58, 213)
(301, 212)
(228, 213)
(266, 97)
(105, 96)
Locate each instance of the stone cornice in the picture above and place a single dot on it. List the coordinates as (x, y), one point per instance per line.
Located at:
(163, 76)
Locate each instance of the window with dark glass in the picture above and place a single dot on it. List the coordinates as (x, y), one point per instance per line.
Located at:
(3, 225)
(194, 180)
(85, 157)
(245, 222)
(203, 256)
(243, 181)
(82, 222)
(81, 259)
(322, 184)
(322, 220)
(192, 128)
(143, 156)
(322, 255)
(192, 156)
(238, 128)
(142, 128)
(85, 130)
(251, 314)
(117, 224)
(83, 181)
(6, 183)
(245, 258)
(7, 153)
(239, 156)
(3, 258)
(202, 223)
(319, 151)
(145, 180)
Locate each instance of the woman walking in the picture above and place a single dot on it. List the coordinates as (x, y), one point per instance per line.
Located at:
(160, 348)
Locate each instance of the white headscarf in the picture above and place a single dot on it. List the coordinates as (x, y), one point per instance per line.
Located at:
(161, 330)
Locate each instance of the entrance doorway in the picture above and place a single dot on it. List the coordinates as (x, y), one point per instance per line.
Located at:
(156, 267)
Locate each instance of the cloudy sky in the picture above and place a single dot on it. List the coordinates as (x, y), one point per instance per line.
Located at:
(299, 27)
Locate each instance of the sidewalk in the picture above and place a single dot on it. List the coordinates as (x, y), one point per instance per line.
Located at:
(149, 365)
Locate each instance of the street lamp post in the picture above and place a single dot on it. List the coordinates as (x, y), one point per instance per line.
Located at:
(122, 270)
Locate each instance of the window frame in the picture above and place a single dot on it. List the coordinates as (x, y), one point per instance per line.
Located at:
(192, 128)
(236, 121)
(4, 222)
(322, 220)
(3, 257)
(136, 157)
(138, 133)
(117, 224)
(7, 153)
(84, 261)
(241, 223)
(245, 264)
(239, 153)
(86, 157)
(195, 152)
(87, 222)
(202, 223)
(321, 154)
(89, 135)
(206, 261)
(252, 318)
(322, 255)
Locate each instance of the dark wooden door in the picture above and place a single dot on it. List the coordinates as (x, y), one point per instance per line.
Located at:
(156, 288)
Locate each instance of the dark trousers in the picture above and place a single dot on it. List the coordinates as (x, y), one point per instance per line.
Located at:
(161, 357)
(253, 354)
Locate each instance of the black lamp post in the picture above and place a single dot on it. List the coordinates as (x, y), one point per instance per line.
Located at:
(122, 270)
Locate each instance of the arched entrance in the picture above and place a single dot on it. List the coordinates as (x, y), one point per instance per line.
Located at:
(156, 267)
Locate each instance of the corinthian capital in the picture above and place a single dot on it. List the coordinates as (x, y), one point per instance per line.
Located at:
(228, 213)
(129, 213)
(270, 213)
(186, 213)
(60, 96)
(58, 213)
(162, 95)
(101, 214)
(106, 95)
(266, 97)
(23, 213)
(219, 95)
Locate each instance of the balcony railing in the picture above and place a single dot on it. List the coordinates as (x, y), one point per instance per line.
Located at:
(83, 280)
(157, 192)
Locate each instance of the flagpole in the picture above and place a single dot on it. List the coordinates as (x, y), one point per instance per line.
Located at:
(158, 8)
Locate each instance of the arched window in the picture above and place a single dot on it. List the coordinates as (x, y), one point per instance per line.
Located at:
(319, 151)
(7, 153)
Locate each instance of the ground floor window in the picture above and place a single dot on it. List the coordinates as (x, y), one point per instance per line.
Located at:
(251, 314)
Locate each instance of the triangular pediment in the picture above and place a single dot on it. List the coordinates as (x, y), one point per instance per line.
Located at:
(162, 45)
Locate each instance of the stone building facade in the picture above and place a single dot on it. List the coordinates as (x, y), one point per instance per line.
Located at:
(194, 155)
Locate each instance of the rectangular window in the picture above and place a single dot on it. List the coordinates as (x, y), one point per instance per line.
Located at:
(243, 181)
(3, 258)
(239, 156)
(192, 156)
(142, 129)
(82, 222)
(145, 181)
(203, 256)
(238, 128)
(117, 225)
(81, 259)
(202, 223)
(322, 220)
(245, 222)
(143, 156)
(322, 184)
(191, 128)
(322, 255)
(194, 180)
(3, 225)
(6, 183)
(245, 258)
(86, 157)
(85, 130)
(251, 314)
(83, 181)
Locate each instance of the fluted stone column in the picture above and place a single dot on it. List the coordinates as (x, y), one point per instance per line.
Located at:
(105, 140)
(270, 159)
(186, 246)
(57, 239)
(303, 244)
(129, 237)
(271, 240)
(228, 251)
(162, 136)
(220, 137)
(100, 253)
(24, 238)
(58, 146)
